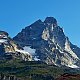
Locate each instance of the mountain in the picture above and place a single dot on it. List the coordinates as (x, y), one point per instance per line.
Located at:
(9, 49)
(46, 42)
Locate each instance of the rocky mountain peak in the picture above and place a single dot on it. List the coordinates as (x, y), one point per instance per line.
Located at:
(3, 33)
(39, 21)
(49, 42)
(50, 20)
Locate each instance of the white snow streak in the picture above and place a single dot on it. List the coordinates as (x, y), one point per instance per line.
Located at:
(30, 50)
(3, 40)
(22, 51)
(73, 66)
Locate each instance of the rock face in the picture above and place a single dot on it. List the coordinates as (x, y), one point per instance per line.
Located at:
(9, 47)
(50, 43)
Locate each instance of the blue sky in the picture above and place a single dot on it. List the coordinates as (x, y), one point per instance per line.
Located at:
(17, 14)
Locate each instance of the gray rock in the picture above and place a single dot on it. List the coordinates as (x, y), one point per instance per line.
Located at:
(50, 43)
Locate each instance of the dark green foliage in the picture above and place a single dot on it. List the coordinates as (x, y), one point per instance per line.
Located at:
(33, 70)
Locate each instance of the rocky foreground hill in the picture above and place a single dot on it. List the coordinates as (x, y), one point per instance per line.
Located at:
(10, 49)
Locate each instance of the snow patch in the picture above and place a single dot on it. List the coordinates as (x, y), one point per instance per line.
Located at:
(3, 40)
(73, 48)
(53, 40)
(5, 37)
(73, 66)
(22, 51)
(34, 38)
(52, 27)
(30, 50)
(30, 27)
(36, 58)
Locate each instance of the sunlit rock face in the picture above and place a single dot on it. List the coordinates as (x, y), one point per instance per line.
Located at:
(9, 47)
(50, 43)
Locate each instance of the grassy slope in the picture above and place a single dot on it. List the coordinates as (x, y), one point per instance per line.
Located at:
(33, 70)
